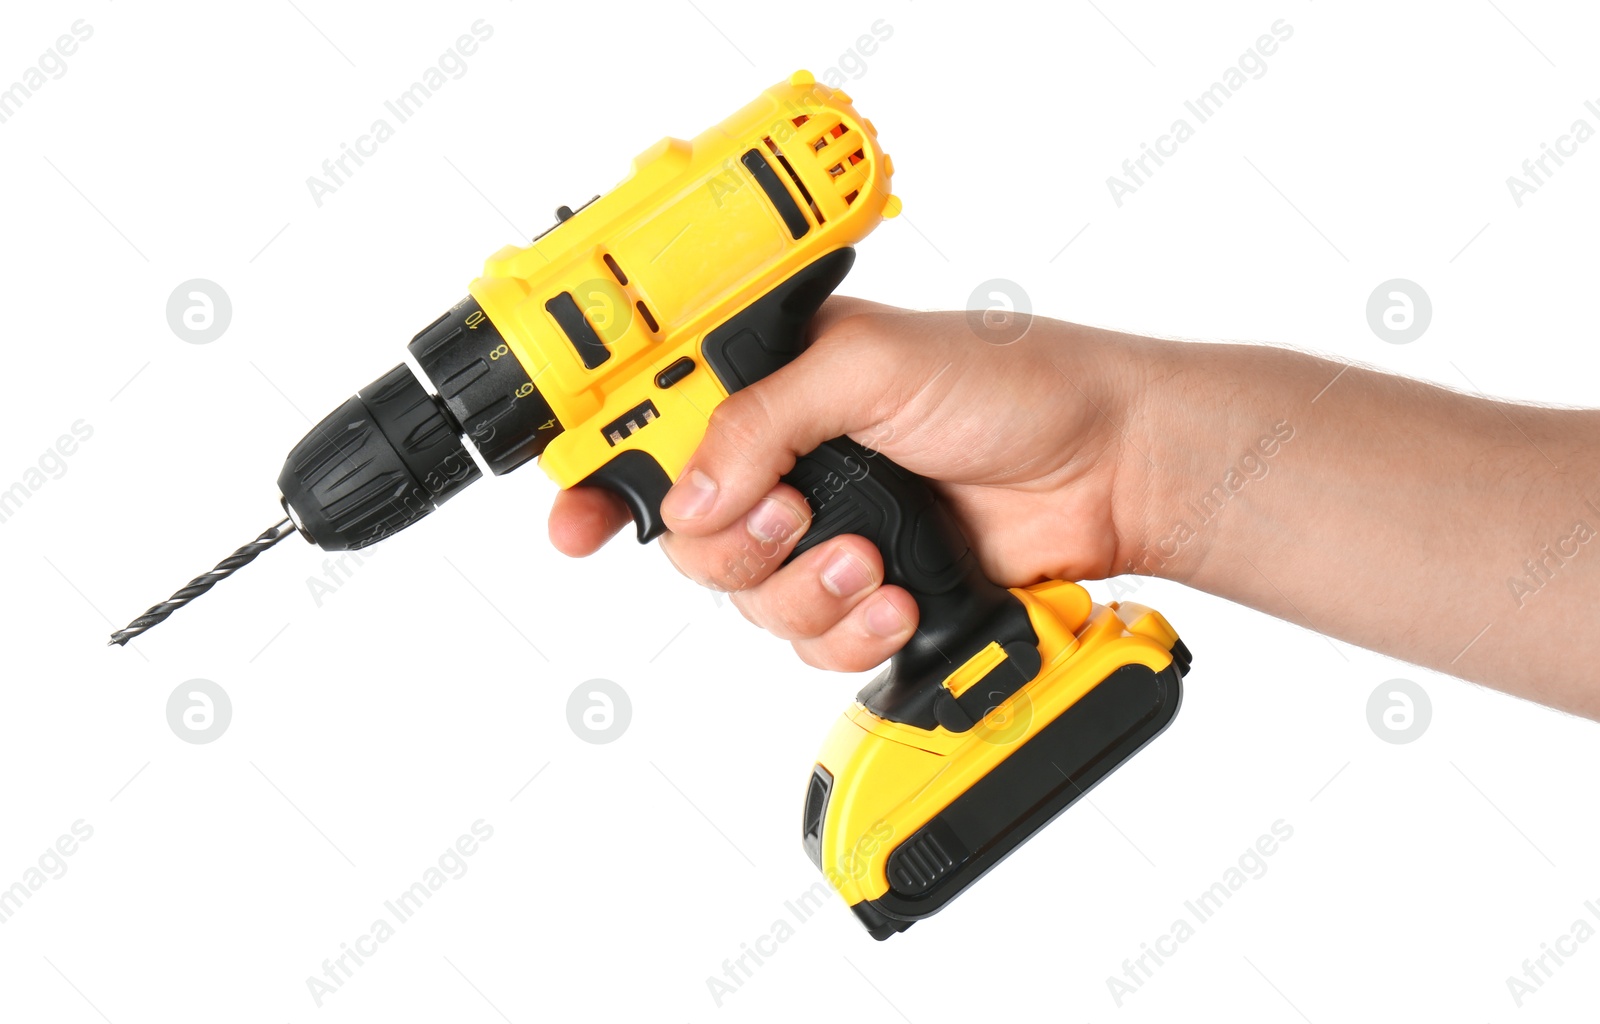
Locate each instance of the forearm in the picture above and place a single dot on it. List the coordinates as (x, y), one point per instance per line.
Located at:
(1437, 527)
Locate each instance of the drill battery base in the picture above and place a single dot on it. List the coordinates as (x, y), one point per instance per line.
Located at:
(939, 809)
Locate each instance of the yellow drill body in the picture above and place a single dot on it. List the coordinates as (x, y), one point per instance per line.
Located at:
(688, 240)
(604, 347)
(678, 247)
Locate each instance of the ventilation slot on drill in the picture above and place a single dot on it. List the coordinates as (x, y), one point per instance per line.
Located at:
(839, 148)
(789, 170)
(622, 279)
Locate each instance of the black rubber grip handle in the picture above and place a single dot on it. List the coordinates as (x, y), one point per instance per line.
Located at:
(852, 489)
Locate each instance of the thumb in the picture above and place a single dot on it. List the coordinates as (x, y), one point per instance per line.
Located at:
(840, 384)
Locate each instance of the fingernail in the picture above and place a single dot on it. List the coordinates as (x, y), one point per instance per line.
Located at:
(691, 497)
(845, 574)
(884, 619)
(772, 520)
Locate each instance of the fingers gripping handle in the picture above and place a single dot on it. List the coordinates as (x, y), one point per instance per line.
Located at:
(852, 489)
(752, 343)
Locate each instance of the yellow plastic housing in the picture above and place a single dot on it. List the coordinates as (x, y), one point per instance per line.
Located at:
(916, 773)
(687, 240)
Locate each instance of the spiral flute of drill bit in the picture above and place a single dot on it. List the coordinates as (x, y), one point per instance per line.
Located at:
(200, 584)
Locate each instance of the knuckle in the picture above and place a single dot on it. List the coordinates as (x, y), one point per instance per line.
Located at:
(669, 548)
(869, 337)
(793, 622)
(699, 562)
(851, 331)
(742, 420)
(870, 351)
(740, 569)
(743, 577)
(813, 656)
(784, 619)
(681, 561)
(740, 599)
(836, 653)
(856, 660)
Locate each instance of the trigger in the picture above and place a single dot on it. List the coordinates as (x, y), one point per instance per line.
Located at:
(638, 479)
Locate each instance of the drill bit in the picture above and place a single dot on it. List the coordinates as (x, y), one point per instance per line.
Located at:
(200, 584)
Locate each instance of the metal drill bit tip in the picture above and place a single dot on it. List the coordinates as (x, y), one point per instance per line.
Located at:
(200, 584)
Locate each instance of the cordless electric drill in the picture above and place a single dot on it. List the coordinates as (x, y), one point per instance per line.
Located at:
(603, 348)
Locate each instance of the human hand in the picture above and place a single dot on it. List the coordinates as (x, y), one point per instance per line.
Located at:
(1021, 441)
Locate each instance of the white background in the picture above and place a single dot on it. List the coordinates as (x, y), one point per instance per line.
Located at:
(370, 732)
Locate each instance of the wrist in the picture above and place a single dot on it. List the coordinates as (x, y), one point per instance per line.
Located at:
(1207, 425)
(1172, 432)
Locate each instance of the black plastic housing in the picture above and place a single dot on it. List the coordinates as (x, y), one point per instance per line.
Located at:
(378, 463)
(484, 386)
(852, 489)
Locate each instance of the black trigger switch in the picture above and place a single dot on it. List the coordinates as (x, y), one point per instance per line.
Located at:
(638, 479)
